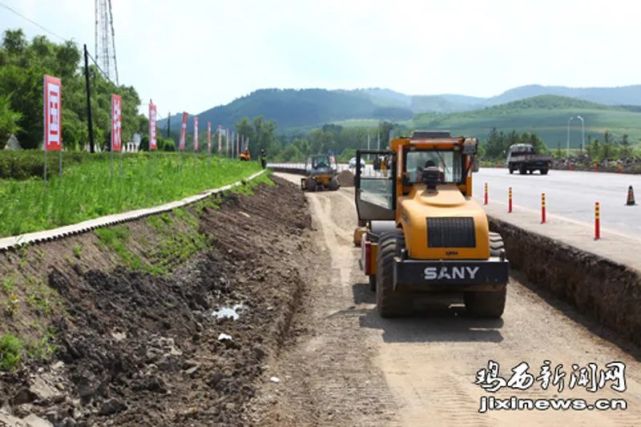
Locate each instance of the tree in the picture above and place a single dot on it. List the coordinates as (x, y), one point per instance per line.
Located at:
(23, 65)
(290, 153)
(246, 129)
(384, 131)
(8, 121)
(496, 145)
(594, 150)
(626, 150)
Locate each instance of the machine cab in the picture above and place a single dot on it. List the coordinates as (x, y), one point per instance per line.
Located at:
(412, 161)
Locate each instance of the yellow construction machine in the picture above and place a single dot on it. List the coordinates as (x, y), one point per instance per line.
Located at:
(421, 232)
(321, 174)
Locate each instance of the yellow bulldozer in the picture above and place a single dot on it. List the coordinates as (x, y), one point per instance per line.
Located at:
(321, 174)
(422, 233)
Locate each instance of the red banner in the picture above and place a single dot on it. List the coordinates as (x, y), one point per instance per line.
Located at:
(52, 101)
(116, 123)
(196, 133)
(208, 137)
(153, 145)
(183, 132)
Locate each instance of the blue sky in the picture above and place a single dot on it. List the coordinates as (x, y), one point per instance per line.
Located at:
(191, 55)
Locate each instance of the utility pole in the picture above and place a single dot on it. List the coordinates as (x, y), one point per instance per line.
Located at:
(92, 145)
(568, 140)
(582, 133)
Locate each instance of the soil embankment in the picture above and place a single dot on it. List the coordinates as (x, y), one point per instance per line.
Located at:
(117, 326)
(604, 290)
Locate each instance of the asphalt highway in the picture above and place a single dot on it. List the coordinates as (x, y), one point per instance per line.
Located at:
(570, 195)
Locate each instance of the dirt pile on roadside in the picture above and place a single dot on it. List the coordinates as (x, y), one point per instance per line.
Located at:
(136, 348)
(346, 178)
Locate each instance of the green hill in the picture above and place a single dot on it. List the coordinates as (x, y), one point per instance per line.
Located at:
(546, 115)
(304, 108)
(301, 110)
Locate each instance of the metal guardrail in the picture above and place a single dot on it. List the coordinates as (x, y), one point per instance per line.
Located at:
(13, 242)
(299, 168)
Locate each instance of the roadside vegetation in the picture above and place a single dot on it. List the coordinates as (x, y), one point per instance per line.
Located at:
(93, 186)
(156, 245)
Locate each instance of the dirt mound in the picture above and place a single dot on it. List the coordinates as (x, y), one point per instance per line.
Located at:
(346, 178)
(137, 348)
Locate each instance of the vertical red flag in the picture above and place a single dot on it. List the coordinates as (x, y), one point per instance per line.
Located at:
(52, 113)
(196, 133)
(152, 127)
(116, 123)
(208, 137)
(183, 132)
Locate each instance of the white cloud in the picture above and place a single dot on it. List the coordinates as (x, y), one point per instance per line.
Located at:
(191, 55)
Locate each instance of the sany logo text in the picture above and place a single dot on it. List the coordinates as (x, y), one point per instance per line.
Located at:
(438, 273)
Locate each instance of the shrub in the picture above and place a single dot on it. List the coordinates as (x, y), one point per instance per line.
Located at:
(10, 352)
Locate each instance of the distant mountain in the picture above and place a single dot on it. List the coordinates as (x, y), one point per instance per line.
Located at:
(547, 115)
(445, 103)
(307, 108)
(624, 95)
(303, 108)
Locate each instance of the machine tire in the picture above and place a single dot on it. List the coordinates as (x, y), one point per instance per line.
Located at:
(544, 171)
(489, 304)
(372, 283)
(311, 184)
(511, 171)
(389, 303)
(522, 170)
(334, 184)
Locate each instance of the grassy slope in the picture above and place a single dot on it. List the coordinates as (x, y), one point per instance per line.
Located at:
(88, 191)
(545, 115)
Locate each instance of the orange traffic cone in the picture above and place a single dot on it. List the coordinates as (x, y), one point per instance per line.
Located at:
(630, 201)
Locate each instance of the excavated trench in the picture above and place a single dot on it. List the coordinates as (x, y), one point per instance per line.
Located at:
(602, 289)
(117, 325)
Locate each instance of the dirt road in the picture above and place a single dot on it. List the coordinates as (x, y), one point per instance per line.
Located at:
(347, 366)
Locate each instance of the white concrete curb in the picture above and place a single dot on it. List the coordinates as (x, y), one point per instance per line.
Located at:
(8, 243)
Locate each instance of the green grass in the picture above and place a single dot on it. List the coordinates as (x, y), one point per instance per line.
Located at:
(40, 297)
(10, 352)
(89, 190)
(8, 284)
(171, 247)
(547, 116)
(77, 251)
(41, 349)
(116, 238)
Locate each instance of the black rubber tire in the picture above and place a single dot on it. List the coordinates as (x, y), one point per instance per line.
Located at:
(488, 304)
(311, 184)
(511, 171)
(522, 170)
(372, 283)
(544, 171)
(333, 184)
(390, 303)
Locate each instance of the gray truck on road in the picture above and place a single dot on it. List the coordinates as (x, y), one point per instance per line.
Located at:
(523, 158)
